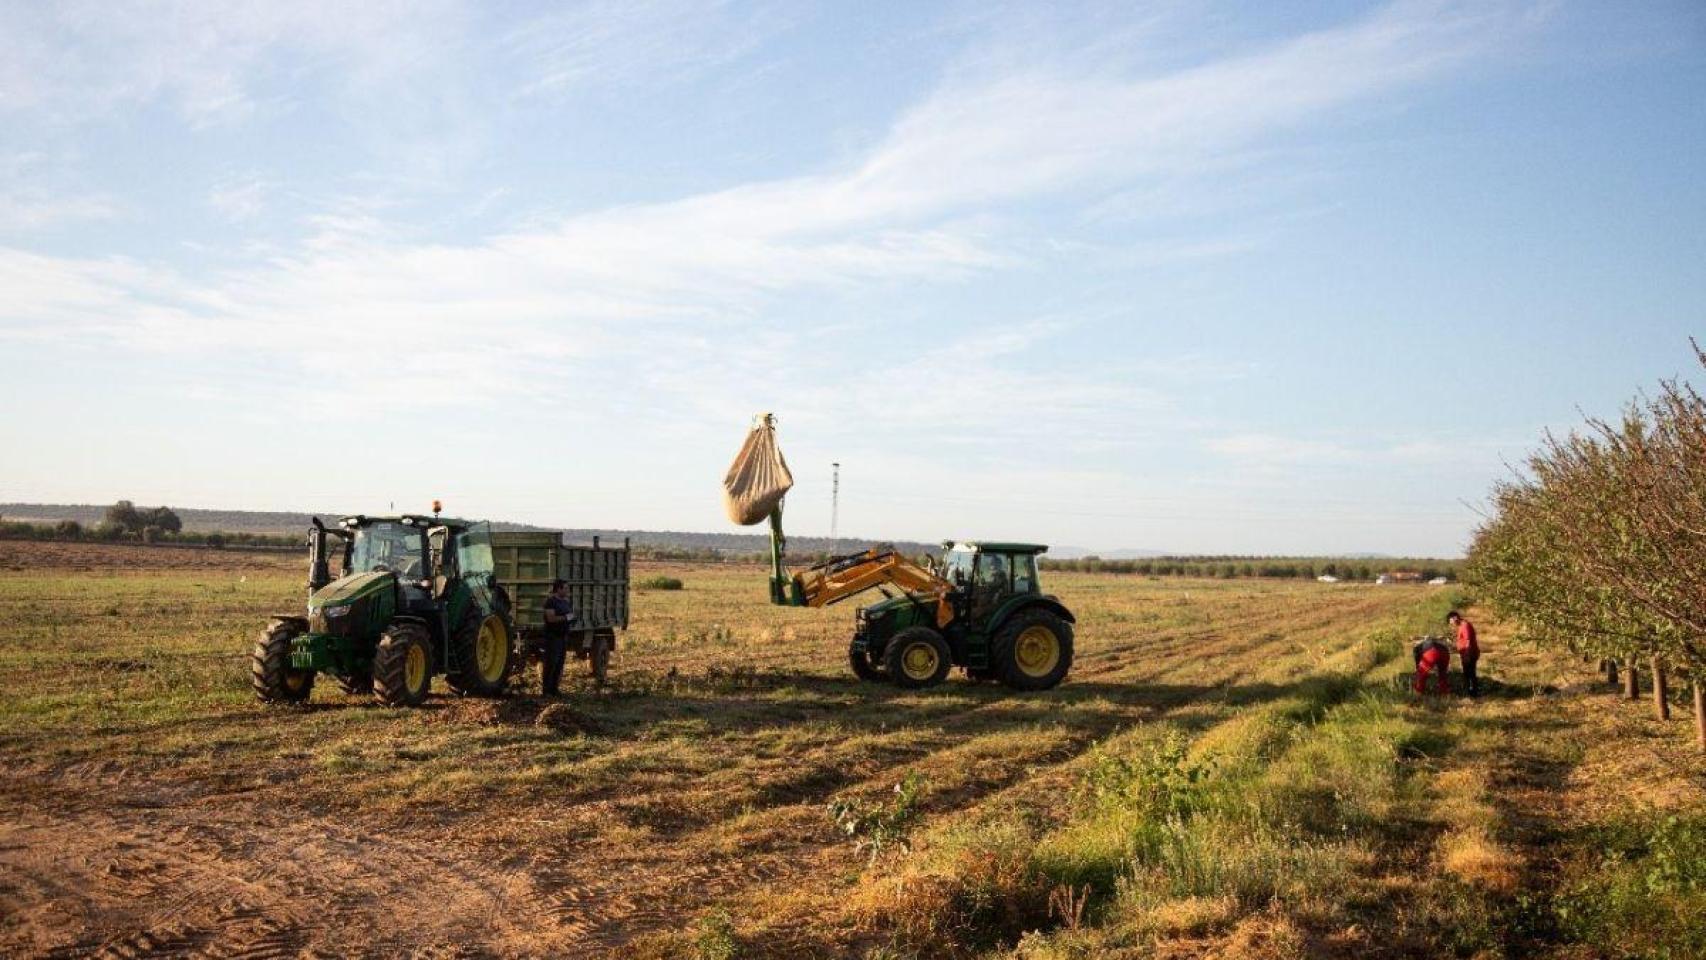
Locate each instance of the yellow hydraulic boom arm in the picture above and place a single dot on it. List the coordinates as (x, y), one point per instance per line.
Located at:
(837, 579)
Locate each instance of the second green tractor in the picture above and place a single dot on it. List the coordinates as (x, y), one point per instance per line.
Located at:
(417, 598)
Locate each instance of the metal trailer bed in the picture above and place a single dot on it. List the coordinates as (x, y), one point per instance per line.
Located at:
(596, 581)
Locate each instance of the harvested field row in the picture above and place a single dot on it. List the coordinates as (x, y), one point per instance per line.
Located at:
(614, 819)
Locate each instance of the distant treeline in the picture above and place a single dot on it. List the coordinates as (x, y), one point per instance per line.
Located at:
(650, 544)
(71, 530)
(1227, 567)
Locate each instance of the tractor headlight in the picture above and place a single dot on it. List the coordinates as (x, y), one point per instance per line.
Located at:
(337, 611)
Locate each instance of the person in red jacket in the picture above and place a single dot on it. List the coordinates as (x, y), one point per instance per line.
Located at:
(1468, 651)
(1433, 657)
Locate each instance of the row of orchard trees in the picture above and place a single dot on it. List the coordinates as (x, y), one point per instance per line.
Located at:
(1599, 547)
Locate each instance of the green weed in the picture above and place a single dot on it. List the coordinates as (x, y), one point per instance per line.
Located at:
(880, 827)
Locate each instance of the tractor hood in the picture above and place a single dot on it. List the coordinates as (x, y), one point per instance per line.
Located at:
(351, 588)
(882, 607)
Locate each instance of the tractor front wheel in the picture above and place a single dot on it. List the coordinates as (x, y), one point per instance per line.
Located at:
(483, 655)
(402, 666)
(865, 666)
(270, 672)
(918, 657)
(1033, 650)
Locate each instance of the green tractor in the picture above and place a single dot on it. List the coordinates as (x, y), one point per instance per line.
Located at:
(981, 608)
(999, 625)
(416, 597)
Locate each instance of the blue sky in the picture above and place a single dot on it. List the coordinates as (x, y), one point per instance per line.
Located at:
(1263, 278)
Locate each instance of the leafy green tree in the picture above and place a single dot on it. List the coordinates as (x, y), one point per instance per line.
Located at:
(124, 516)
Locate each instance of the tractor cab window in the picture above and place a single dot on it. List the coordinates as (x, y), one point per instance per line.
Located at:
(1025, 573)
(386, 546)
(957, 566)
(993, 572)
(474, 550)
(442, 569)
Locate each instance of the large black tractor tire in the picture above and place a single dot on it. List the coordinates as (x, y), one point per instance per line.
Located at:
(402, 665)
(483, 656)
(270, 672)
(1033, 650)
(865, 666)
(357, 684)
(918, 657)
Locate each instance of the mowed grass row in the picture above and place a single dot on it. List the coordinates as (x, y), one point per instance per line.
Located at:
(1269, 780)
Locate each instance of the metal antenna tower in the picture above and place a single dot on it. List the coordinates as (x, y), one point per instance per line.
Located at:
(834, 499)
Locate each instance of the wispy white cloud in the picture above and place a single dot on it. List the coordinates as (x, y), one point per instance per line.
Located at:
(80, 59)
(927, 202)
(240, 198)
(33, 196)
(623, 43)
(1419, 447)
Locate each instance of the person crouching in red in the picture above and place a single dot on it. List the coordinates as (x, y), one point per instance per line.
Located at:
(1433, 657)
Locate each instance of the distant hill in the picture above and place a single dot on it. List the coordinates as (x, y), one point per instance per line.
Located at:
(275, 522)
(1079, 553)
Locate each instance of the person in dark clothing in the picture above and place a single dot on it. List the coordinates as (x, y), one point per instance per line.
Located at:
(559, 616)
(1468, 651)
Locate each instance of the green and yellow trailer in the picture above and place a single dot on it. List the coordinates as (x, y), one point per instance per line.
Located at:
(596, 580)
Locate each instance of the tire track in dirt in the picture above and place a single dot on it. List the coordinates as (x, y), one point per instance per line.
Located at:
(212, 878)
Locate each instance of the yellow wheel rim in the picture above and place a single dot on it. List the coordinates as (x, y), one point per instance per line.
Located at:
(415, 667)
(920, 661)
(491, 650)
(1037, 652)
(294, 679)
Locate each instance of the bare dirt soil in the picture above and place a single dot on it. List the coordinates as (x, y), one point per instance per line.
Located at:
(27, 555)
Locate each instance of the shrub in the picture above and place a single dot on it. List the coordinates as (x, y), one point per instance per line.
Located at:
(716, 937)
(659, 583)
(875, 828)
(1647, 895)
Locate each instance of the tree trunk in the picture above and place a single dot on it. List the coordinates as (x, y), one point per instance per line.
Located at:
(1631, 682)
(1661, 690)
(1700, 713)
(1611, 672)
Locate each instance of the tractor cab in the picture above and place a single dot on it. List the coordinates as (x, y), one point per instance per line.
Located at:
(987, 576)
(416, 595)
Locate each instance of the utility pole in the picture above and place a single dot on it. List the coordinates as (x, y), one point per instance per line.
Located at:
(834, 500)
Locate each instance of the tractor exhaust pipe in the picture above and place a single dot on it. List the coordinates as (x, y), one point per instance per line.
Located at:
(319, 571)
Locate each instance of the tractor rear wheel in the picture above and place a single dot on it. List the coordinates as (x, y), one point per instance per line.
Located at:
(357, 684)
(483, 655)
(865, 666)
(274, 679)
(918, 657)
(1033, 650)
(402, 666)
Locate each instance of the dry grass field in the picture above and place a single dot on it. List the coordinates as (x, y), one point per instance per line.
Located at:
(1229, 770)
